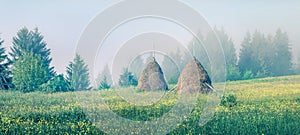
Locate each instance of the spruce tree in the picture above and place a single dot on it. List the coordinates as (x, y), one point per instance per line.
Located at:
(104, 80)
(282, 56)
(230, 54)
(246, 59)
(208, 43)
(26, 42)
(5, 79)
(297, 66)
(127, 79)
(137, 66)
(104, 84)
(30, 72)
(78, 74)
(263, 56)
(172, 65)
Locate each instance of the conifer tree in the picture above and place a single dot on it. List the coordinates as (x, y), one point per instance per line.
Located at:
(26, 42)
(30, 72)
(5, 79)
(78, 74)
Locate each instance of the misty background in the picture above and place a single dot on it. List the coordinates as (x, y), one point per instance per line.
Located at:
(62, 22)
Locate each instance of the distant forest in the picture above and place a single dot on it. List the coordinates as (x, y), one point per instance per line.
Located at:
(27, 66)
(260, 56)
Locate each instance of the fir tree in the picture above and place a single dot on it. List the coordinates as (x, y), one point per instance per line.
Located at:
(26, 42)
(104, 84)
(78, 74)
(30, 72)
(5, 79)
(127, 79)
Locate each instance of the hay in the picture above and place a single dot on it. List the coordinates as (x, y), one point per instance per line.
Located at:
(152, 78)
(193, 79)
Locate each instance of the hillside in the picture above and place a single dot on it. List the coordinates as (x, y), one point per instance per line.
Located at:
(264, 106)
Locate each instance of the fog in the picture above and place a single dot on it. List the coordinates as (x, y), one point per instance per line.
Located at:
(62, 22)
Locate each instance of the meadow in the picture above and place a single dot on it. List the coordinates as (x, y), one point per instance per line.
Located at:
(263, 106)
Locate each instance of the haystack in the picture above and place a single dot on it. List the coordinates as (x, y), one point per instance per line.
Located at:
(152, 78)
(194, 78)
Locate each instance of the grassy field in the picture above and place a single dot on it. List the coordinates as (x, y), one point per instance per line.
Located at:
(264, 106)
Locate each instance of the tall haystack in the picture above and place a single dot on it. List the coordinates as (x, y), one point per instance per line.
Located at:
(194, 78)
(152, 78)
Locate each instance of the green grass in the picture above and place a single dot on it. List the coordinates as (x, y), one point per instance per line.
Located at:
(264, 106)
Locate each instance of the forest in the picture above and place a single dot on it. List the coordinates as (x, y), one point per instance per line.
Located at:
(261, 55)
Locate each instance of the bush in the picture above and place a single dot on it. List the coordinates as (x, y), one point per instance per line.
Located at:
(233, 73)
(127, 79)
(298, 100)
(173, 79)
(297, 68)
(104, 84)
(260, 75)
(57, 84)
(228, 100)
(248, 75)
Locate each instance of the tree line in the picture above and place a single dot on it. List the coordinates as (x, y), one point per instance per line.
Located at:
(260, 56)
(27, 66)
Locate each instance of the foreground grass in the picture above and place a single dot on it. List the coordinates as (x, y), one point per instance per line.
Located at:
(265, 106)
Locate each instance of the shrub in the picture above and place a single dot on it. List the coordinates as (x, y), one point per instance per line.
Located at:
(248, 75)
(228, 100)
(127, 79)
(233, 73)
(173, 79)
(260, 75)
(57, 84)
(298, 100)
(104, 84)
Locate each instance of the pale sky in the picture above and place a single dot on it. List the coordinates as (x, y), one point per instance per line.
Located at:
(63, 21)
